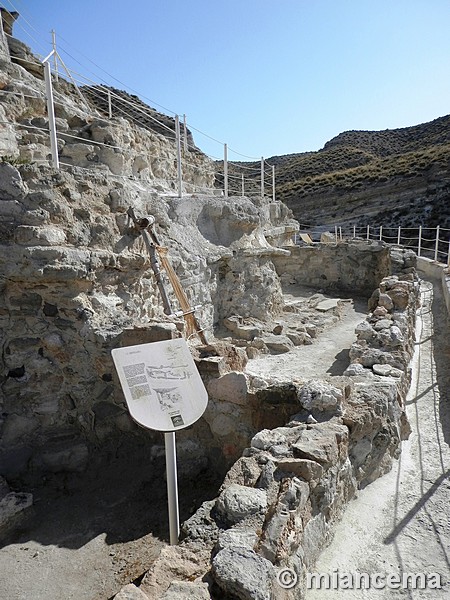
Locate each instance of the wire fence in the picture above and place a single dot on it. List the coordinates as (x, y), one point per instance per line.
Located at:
(429, 242)
(97, 99)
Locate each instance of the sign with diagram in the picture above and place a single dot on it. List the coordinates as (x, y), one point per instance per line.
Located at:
(161, 384)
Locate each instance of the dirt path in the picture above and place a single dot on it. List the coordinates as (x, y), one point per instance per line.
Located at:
(328, 355)
(401, 522)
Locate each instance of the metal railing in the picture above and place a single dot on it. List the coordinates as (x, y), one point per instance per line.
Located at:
(231, 177)
(429, 242)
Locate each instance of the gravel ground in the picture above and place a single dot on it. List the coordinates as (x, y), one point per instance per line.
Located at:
(401, 523)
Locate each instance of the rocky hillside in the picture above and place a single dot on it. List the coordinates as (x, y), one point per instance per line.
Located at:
(390, 178)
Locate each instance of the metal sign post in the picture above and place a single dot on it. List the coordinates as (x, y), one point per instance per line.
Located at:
(172, 486)
(164, 392)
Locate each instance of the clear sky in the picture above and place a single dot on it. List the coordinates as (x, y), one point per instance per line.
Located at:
(266, 77)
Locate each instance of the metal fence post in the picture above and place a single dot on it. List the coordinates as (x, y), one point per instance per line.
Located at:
(448, 255)
(55, 55)
(336, 233)
(243, 184)
(399, 236)
(262, 176)
(436, 247)
(368, 232)
(51, 114)
(225, 170)
(109, 104)
(273, 183)
(178, 142)
(354, 231)
(185, 142)
(419, 245)
(381, 233)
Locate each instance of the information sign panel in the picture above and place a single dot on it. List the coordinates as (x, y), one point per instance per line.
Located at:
(161, 384)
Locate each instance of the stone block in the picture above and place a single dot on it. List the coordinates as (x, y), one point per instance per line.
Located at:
(131, 592)
(278, 343)
(183, 590)
(243, 574)
(27, 235)
(145, 335)
(320, 396)
(238, 502)
(231, 387)
(240, 537)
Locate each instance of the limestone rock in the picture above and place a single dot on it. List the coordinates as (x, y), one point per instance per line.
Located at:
(182, 590)
(237, 537)
(278, 343)
(182, 562)
(242, 573)
(319, 396)
(354, 369)
(131, 592)
(322, 443)
(230, 387)
(11, 183)
(13, 506)
(238, 502)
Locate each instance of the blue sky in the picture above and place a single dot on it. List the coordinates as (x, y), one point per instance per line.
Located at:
(266, 77)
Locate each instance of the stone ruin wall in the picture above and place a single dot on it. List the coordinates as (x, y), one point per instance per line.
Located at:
(76, 278)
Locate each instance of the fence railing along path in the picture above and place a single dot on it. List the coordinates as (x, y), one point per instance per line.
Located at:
(231, 177)
(429, 242)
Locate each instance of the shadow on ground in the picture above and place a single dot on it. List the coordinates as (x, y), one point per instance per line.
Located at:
(124, 498)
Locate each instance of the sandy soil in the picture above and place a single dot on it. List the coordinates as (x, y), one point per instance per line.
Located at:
(401, 522)
(328, 355)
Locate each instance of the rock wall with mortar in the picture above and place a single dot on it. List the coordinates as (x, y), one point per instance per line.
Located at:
(355, 267)
(76, 279)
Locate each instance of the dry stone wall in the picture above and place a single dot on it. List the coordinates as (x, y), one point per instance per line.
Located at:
(280, 499)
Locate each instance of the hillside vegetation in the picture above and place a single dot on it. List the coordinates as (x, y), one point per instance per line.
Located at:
(392, 177)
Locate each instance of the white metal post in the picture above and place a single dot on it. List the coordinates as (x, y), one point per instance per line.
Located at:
(399, 236)
(172, 487)
(55, 55)
(340, 233)
(354, 231)
(336, 233)
(51, 114)
(273, 183)
(262, 176)
(368, 232)
(419, 245)
(109, 104)
(381, 233)
(243, 184)
(225, 170)
(185, 144)
(436, 247)
(448, 255)
(178, 142)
